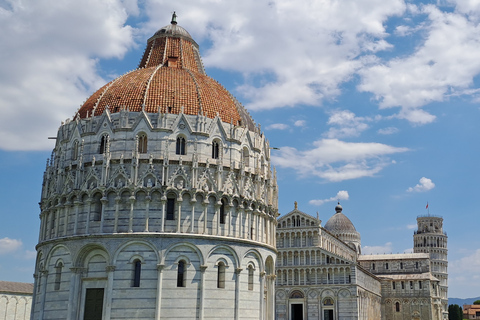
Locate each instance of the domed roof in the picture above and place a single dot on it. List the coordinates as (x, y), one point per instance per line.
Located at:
(170, 79)
(339, 223)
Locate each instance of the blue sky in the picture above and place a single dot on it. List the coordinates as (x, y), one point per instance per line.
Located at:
(374, 103)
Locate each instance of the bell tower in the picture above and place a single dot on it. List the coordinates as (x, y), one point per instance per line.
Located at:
(430, 238)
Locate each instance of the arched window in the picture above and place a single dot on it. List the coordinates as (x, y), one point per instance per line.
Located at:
(250, 277)
(170, 208)
(137, 270)
(221, 275)
(181, 274)
(103, 144)
(58, 275)
(180, 146)
(75, 150)
(397, 306)
(386, 265)
(373, 266)
(246, 157)
(215, 149)
(222, 212)
(142, 143)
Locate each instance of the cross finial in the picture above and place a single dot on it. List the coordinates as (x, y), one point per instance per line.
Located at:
(296, 205)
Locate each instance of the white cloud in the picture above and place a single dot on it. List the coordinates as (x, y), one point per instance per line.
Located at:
(285, 67)
(345, 124)
(464, 274)
(424, 185)
(341, 195)
(336, 160)
(8, 245)
(411, 226)
(277, 126)
(388, 130)
(444, 64)
(300, 123)
(386, 248)
(49, 62)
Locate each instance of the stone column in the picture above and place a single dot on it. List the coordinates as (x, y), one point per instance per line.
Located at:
(87, 223)
(217, 215)
(163, 200)
(75, 226)
(229, 220)
(130, 220)
(75, 286)
(117, 208)
(237, 293)
(147, 212)
(193, 201)
(158, 310)
(109, 292)
(205, 217)
(262, 296)
(43, 282)
(57, 218)
(68, 205)
(104, 201)
(202, 292)
(179, 216)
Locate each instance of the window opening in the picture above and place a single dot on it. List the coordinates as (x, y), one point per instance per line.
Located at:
(58, 275)
(142, 143)
(181, 274)
(170, 209)
(397, 306)
(103, 144)
(221, 275)
(215, 149)
(419, 284)
(222, 212)
(180, 149)
(393, 285)
(75, 150)
(137, 269)
(386, 266)
(250, 278)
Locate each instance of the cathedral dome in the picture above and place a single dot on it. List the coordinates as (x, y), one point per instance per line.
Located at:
(170, 79)
(339, 222)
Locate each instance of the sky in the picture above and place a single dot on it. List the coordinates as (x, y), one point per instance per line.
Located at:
(371, 103)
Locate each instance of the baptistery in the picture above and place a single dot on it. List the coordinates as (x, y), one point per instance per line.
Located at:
(158, 201)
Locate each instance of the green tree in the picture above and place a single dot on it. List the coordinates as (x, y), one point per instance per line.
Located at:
(476, 302)
(455, 312)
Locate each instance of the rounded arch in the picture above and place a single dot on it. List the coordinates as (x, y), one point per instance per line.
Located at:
(297, 294)
(132, 242)
(86, 252)
(258, 257)
(186, 244)
(227, 248)
(269, 265)
(50, 255)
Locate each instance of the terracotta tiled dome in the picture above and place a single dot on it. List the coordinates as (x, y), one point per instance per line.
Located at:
(170, 77)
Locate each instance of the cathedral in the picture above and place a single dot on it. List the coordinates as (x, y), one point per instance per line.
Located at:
(159, 202)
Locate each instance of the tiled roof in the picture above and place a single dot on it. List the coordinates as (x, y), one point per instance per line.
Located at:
(170, 76)
(403, 256)
(16, 287)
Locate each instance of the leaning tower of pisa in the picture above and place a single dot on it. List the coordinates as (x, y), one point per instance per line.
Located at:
(430, 238)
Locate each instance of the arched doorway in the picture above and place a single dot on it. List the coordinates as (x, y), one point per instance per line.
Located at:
(296, 303)
(328, 309)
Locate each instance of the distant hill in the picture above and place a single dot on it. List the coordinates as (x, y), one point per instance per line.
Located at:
(461, 302)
